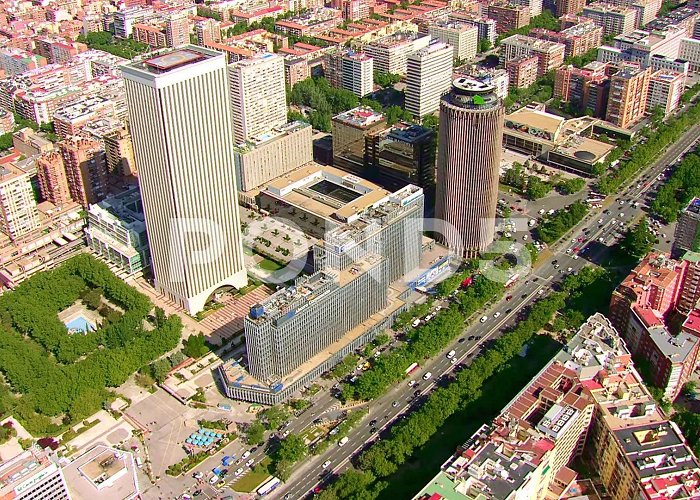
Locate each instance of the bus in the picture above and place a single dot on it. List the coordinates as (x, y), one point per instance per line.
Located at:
(412, 368)
(268, 487)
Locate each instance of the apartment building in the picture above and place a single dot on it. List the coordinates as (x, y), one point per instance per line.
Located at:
(508, 16)
(550, 55)
(640, 46)
(462, 37)
(569, 7)
(391, 53)
(151, 34)
(70, 119)
(357, 73)
(665, 91)
(18, 212)
(615, 20)
(207, 30)
(522, 72)
(627, 101)
(577, 39)
(17, 61)
(52, 178)
(177, 29)
(34, 474)
(86, 169)
(258, 96)
(429, 78)
(659, 62)
(687, 235)
(671, 359)
(486, 26)
(690, 51)
(276, 153)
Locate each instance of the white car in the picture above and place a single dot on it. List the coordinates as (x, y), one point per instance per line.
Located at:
(540, 291)
(214, 479)
(198, 475)
(497, 314)
(622, 202)
(250, 462)
(326, 464)
(246, 454)
(575, 257)
(238, 472)
(453, 361)
(451, 354)
(427, 376)
(411, 383)
(600, 221)
(484, 318)
(569, 269)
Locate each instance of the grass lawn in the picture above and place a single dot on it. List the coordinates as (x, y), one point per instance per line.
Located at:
(496, 393)
(269, 265)
(254, 478)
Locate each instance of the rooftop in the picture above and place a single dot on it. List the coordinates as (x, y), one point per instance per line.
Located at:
(83, 108)
(16, 472)
(102, 472)
(535, 121)
(172, 61)
(694, 206)
(273, 135)
(360, 117)
(656, 449)
(533, 43)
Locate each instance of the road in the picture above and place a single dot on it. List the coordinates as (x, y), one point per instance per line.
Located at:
(601, 223)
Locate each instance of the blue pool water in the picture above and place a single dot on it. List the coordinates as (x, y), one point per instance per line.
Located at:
(80, 324)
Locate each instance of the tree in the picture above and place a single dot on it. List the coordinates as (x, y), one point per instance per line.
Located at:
(514, 176)
(431, 122)
(352, 485)
(292, 449)
(255, 433)
(537, 188)
(689, 389)
(386, 80)
(160, 369)
(485, 45)
(396, 114)
(274, 417)
(195, 346)
(571, 186)
(639, 240)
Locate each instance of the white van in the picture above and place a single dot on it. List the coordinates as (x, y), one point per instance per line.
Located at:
(139, 462)
(343, 441)
(451, 354)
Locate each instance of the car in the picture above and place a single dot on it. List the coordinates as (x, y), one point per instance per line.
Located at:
(509, 297)
(196, 493)
(451, 354)
(238, 472)
(523, 296)
(245, 455)
(540, 291)
(622, 202)
(427, 376)
(556, 266)
(575, 249)
(416, 392)
(285, 434)
(326, 464)
(372, 430)
(575, 257)
(508, 311)
(214, 479)
(250, 462)
(185, 496)
(569, 269)
(453, 361)
(411, 383)
(471, 337)
(198, 475)
(483, 319)
(395, 404)
(497, 314)
(555, 261)
(461, 340)
(344, 441)
(622, 214)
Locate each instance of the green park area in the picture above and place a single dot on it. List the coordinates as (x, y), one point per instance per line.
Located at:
(254, 478)
(54, 378)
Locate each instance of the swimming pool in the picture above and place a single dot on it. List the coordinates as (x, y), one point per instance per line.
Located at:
(80, 324)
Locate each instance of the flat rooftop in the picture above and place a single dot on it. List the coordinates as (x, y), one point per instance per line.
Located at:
(174, 60)
(270, 136)
(584, 149)
(102, 472)
(22, 468)
(656, 449)
(535, 120)
(360, 117)
(326, 191)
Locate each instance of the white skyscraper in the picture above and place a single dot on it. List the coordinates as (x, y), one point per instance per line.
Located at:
(181, 126)
(258, 95)
(429, 78)
(358, 73)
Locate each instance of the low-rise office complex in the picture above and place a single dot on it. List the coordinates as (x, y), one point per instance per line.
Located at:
(367, 239)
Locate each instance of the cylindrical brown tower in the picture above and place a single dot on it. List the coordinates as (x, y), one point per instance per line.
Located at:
(469, 156)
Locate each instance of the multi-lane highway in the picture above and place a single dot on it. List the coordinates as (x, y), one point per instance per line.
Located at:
(596, 232)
